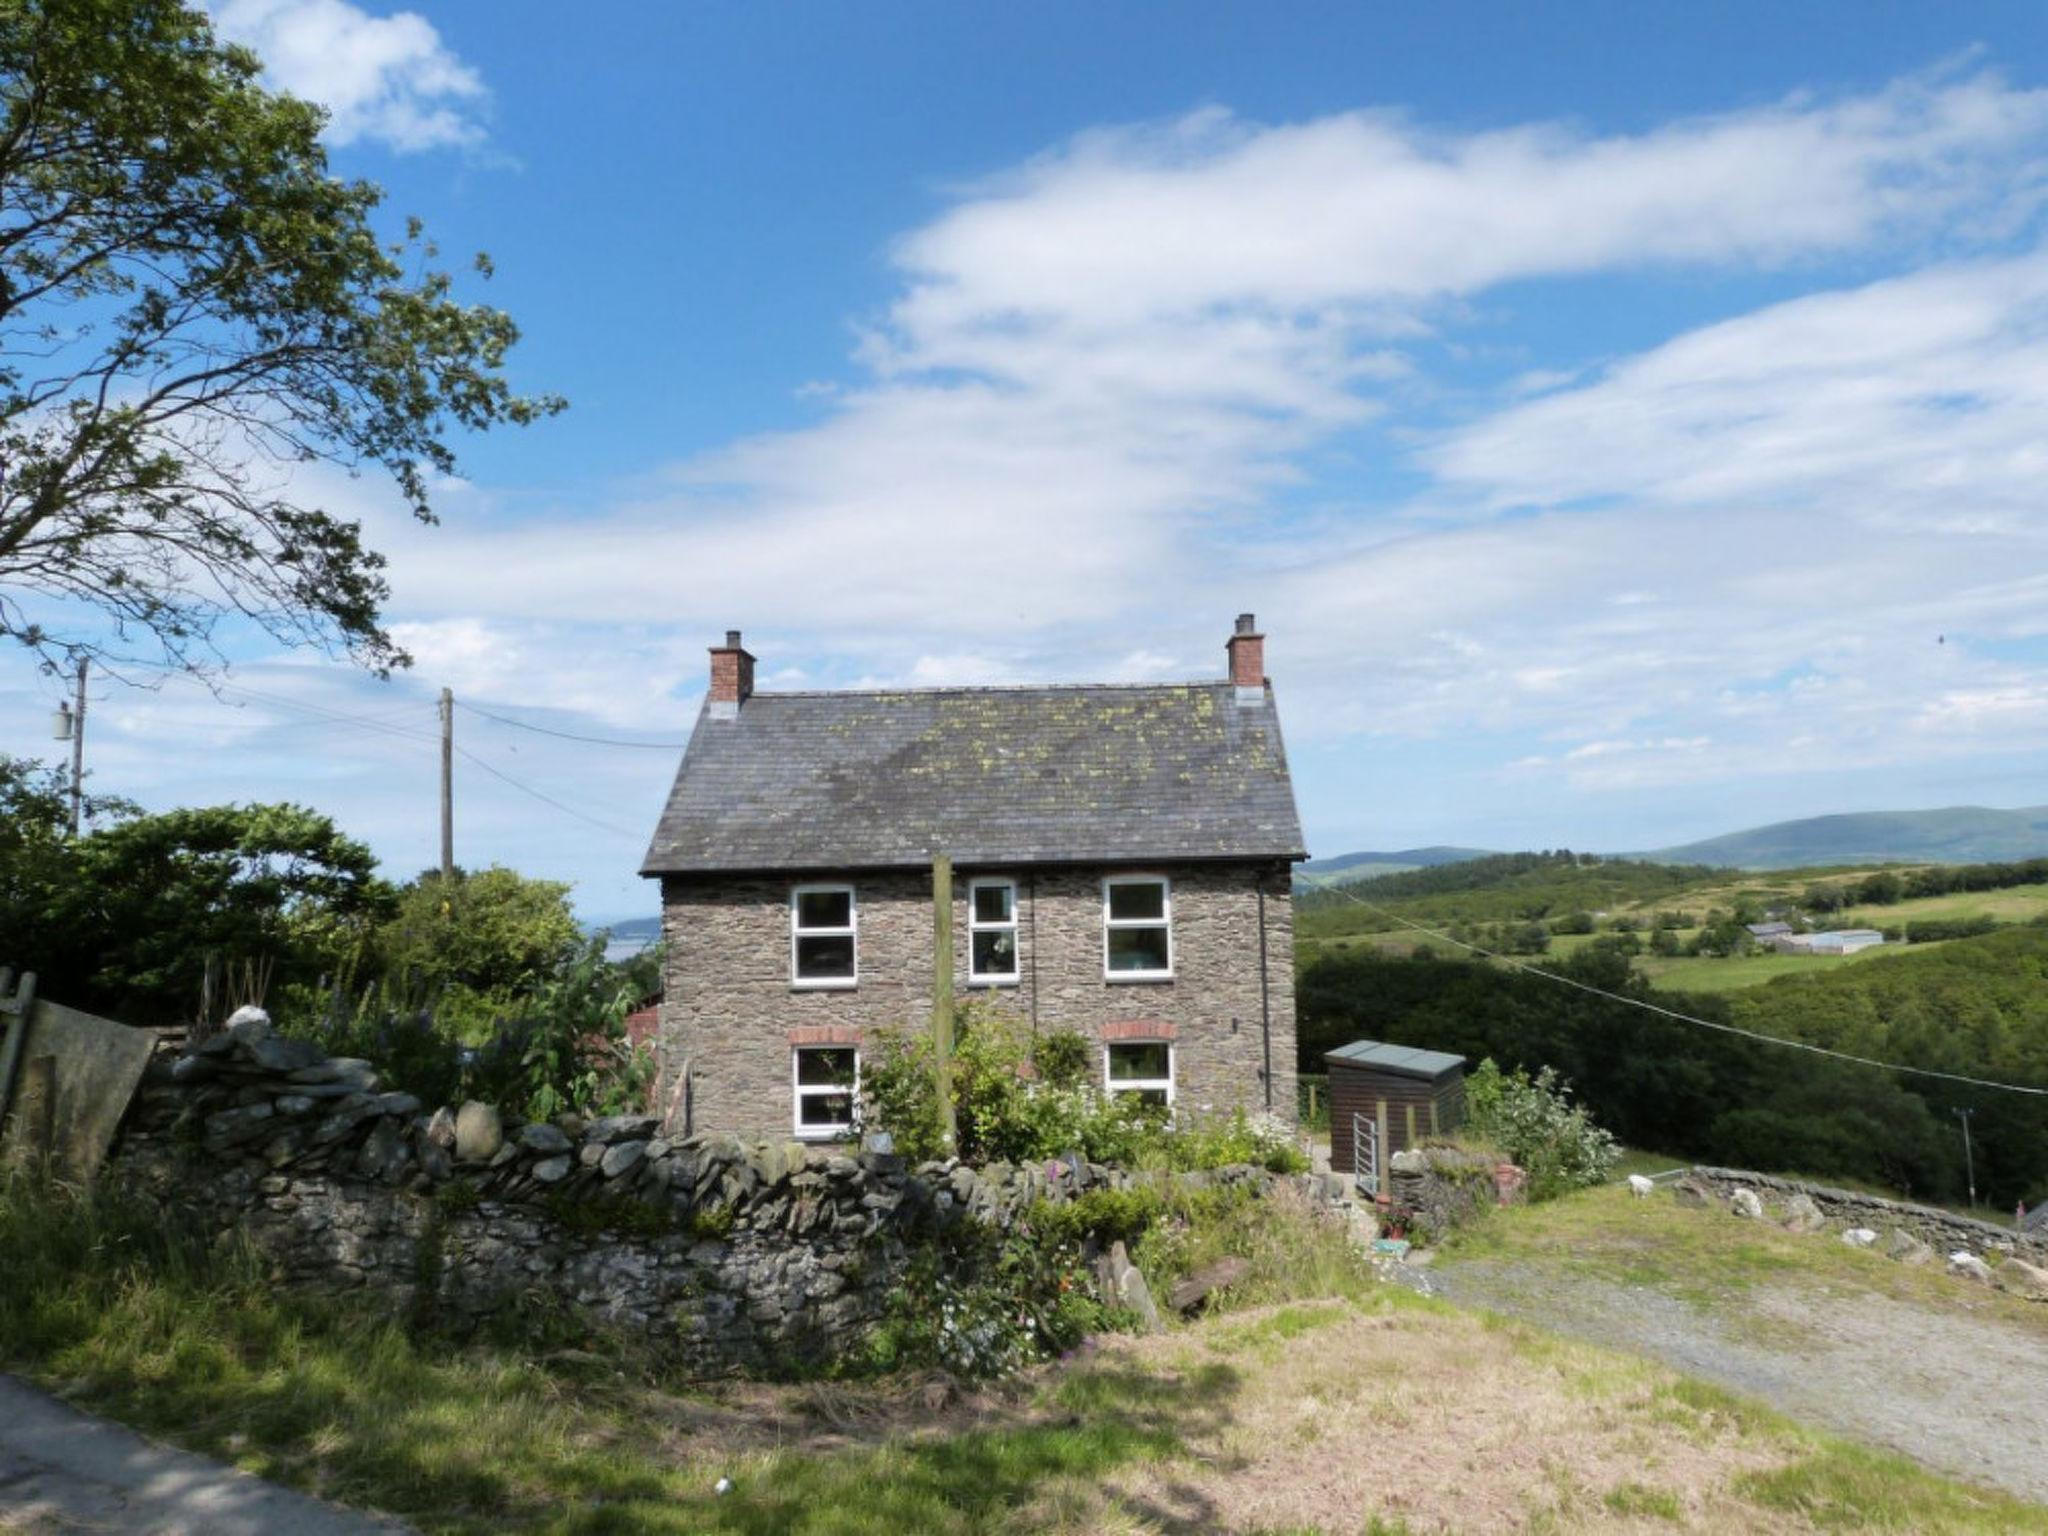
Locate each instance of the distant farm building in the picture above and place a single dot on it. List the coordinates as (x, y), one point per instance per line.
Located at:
(1765, 933)
(1403, 1094)
(1841, 941)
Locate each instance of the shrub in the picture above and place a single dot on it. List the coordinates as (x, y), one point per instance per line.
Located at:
(1019, 1099)
(1930, 930)
(1015, 1099)
(989, 1303)
(1224, 1141)
(1534, 1122)
(1107, 1215)
(563, 1048)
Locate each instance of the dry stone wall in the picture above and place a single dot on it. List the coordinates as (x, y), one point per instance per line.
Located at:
(1942, 1231)
(737, 1257)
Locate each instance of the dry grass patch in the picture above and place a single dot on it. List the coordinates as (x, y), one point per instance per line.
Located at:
(1392, 1416)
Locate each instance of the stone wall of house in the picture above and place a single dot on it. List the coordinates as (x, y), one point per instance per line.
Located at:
(733, 1256)
(1943, 1231)
(731, 1015)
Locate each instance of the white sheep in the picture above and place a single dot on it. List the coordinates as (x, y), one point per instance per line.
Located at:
(1641, 1187)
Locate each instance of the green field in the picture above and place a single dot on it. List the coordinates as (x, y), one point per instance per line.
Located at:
(2015, 904)
(1705, 973)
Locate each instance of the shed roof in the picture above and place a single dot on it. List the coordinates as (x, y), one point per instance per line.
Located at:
(1403, 1060)
(1039, 775)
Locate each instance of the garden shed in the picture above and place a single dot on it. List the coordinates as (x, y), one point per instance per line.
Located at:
(1399, 1092)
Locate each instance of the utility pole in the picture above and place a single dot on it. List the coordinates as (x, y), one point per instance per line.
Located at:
(1969, 1161)
(69, 723)
(447, 784)
(942, 997)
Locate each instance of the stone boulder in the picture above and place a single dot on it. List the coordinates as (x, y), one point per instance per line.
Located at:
(1907, 1249)
(479, 1132)
(1692, 1193)
(1860, 1237)
(539, 1136)
(1802, 1215)
(2022, 1279)
(1120, 1284)
(1965, 1265)
(1745, 1203)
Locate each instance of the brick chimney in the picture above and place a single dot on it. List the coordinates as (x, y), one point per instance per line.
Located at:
(1247, 648)
(732, 677)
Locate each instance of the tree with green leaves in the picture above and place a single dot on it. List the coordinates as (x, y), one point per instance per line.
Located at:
(475, 944)
(191, 305)
(144, 908)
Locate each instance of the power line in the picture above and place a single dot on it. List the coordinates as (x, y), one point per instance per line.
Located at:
(338, 717)
(329, 715)
(596, 741)
(546, 799)
(1685, 1018)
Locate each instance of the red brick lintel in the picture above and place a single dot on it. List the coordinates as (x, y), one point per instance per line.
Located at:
(825, 1034)
(1139, 1029)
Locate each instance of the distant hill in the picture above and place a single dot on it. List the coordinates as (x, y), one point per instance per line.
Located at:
(1960, 834)
(1370, 866)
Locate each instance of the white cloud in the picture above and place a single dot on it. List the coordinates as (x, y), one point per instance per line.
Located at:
(1083, 434)
(1104, 371)
(388, 78)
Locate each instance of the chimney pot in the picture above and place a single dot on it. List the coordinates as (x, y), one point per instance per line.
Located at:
(1245, 625)
(732, 639)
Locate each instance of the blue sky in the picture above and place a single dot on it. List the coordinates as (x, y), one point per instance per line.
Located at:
(1625, 419)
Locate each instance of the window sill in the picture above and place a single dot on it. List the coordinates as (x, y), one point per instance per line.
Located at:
(813, 1136)
(992, 981)
(1139, 978)
(825, 986)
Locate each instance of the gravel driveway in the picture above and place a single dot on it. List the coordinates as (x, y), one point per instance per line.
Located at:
(1963, 1394)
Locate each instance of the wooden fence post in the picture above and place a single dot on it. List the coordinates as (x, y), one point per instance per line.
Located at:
(942, 997)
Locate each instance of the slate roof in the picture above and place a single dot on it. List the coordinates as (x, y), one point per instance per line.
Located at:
(1403, 1060)
(1013, 776)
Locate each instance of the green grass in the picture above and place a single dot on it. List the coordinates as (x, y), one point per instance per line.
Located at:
(106, 1302)
(1704, 1255)
(2012, 904)
(1706, 973)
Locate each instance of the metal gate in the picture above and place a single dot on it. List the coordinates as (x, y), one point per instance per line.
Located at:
(1365, 1154)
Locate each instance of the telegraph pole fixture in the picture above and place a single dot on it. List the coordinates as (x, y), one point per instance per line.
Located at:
(68, 724)
(447, 784)
(1969, 1161)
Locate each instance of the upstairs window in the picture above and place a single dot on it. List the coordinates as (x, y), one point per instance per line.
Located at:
(1143, 1068)
(827, 1086)
(1137, 928)
(823, 936)
(992, 932)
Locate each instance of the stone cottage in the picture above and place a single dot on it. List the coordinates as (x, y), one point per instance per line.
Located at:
(1122, 857)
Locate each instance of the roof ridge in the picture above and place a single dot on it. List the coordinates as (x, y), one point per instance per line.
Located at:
(931, 688)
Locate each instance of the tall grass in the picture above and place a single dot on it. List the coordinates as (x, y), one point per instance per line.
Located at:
(1296, 1250)
(126, 1313)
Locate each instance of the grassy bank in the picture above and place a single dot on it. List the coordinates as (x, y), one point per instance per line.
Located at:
(1710, 1257)
(1372, 1409)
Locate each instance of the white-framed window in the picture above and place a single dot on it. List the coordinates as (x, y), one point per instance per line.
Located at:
(825, 1081)
(1141, 1067)
(824, 939)
(992, 932)
(1137, 928)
